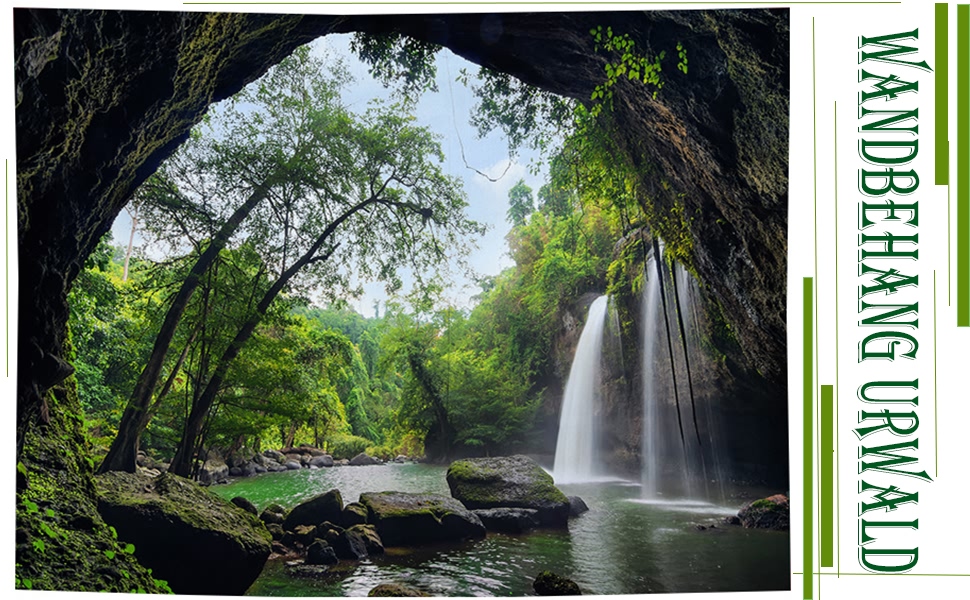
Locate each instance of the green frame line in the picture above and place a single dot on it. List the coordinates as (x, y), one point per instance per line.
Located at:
(807, 413)
(826, 478)
(887, 574)
(941, 94)
(835, 195)
(963, 170)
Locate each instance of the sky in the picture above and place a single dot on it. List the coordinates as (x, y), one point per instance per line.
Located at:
(447, 113)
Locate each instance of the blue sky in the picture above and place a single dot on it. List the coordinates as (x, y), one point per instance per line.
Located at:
(447, 113)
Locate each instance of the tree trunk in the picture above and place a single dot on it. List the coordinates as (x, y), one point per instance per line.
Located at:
(124, 448)
(182, 462)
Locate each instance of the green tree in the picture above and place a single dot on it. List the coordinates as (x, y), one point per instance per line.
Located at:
(521, 204)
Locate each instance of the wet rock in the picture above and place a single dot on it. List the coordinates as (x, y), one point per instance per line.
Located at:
(354, 513)
(322, 460)
(364, 459)
(508, 481)
(316, 510)
(767, 513)
(508, 520)
(321, 553)
(403, 519)
(548, 583)
(395, 590)
(293, 465)
(576, 506)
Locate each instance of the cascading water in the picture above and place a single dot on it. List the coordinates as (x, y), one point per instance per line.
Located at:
(680, 441)
(576, 445)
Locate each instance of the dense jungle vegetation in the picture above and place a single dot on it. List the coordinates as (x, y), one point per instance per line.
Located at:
(284, 194)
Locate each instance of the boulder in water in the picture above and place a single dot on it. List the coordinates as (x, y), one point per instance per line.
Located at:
(321, 553)
(363, 459)
(548, 583)
(767, 513)
(508, 481)
(322, 460)
(508, 520)
(395, 590)
(403, 519)
(316, 510)
(354, 513)
(576, 506)
(184, 533)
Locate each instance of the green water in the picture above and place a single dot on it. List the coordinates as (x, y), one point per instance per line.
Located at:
(621, 546)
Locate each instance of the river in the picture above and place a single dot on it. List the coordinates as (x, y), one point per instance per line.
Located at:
(623, 545)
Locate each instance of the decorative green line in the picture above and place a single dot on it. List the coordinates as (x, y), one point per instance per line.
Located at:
(825, 478)
(835, 153)
(811, 331)
(807, 381)
(963, 167)
(941, 78)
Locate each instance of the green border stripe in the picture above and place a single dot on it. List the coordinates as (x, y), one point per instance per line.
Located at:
(963, 160)
(826, 480)
(807, 491)
(941, 78)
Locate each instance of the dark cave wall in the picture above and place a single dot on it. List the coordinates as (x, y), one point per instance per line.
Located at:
(103, 97)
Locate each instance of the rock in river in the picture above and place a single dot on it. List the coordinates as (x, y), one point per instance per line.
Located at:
(185, 534)
(508, 481)
(767, 513)
(404, 519)
(316, 510)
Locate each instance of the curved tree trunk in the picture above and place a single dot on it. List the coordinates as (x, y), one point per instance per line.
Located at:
(124, 449)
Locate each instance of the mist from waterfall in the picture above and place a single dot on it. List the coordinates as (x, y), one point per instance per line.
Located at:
(576, 447)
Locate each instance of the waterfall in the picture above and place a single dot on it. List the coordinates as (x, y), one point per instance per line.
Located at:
(680, 438)
(576, 445)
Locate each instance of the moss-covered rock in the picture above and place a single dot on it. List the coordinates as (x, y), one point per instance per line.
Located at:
(354, 513)
(316, 510)
(508, 481)
(403, 519)
(548, 583)
(767, 513)
(395, 590)
(185, 534)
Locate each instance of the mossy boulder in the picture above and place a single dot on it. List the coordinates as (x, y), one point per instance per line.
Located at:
(395, 590)
(184, 533)
(508, 481)
(767, 513)
(316, 510)
(403, 519)
(548, 583)
(354, 513)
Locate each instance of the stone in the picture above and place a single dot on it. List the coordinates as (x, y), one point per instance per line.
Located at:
(767, 513)
(349, 544)
(404, 519)
(548, 583)
(509, 481)
(316, 510)
(508, 520)
(372, 541)
(354, 513)
(395, 590)
(184, 533)
(275, 530)
(293, 465)
(400, 459)
(364, 459)
(213, 470)
(321, 553)
(576, 506)
(275, 455)
(244, 504)
(322, 460)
